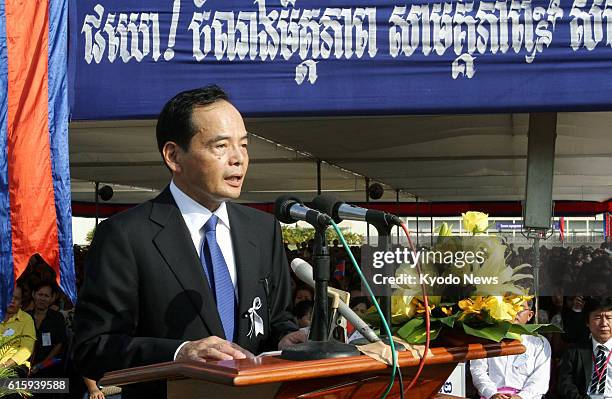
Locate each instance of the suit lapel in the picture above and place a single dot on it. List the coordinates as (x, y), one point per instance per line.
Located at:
(246, 254)
(587, 361)
(175, 246)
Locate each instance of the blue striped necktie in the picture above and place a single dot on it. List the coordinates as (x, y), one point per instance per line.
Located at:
(218, 277)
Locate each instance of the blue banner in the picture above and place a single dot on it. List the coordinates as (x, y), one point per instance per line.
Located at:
(315, 57)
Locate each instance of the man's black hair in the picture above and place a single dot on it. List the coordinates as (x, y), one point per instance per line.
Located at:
(174, 122)
(46, 283)
(594, 303)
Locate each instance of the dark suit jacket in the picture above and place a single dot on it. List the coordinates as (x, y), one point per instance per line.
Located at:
(145, 291)
(575, 371)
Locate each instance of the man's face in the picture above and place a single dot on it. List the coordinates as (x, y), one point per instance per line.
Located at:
(213, 168)
(302, 295)
(360, 309)
(15, 304)
(524, 315)
(600, 324)
(43, 298)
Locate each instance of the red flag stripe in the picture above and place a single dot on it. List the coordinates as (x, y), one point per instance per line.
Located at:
(33, 216)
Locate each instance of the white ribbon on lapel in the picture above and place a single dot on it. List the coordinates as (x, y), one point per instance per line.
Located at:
(257, 325)
(8, 332)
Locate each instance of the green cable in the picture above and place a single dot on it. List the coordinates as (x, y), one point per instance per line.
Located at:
(380, 313)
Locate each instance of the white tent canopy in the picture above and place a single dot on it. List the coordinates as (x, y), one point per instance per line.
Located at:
(437, 158)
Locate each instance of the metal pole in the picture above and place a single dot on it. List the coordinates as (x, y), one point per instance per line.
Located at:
(536, 273)
(430, 227)
(397, 201)
(319, 177)
(96, 200)
(417, 219)
(367, 190)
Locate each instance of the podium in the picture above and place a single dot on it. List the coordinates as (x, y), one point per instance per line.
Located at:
(350, 377)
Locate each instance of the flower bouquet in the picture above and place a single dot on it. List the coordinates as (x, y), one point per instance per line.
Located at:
(485, 309)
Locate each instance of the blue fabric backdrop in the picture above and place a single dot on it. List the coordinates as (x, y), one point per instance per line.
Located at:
(315, 57)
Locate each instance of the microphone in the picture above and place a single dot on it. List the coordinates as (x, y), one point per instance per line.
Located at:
(340, 210)
(304, 272)
(289, 209)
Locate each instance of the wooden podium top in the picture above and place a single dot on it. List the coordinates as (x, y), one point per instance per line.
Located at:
(269, 369)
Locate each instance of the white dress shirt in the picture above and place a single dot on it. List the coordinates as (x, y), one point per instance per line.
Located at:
(528, 372)
(607, 347)
(196, 216)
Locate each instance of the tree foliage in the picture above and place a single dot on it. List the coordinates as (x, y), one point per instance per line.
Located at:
(90, 235)
(295, 234)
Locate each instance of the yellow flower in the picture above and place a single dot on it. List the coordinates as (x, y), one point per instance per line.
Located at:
(445, 230)
(472, 305)
(500, 309)
(475, 222)
(402, 306)
(497, 307)
(447, 310)
(517, 302)
(420, 305)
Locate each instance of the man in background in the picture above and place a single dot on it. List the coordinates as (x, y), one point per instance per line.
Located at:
(524, 376)
(584, 371)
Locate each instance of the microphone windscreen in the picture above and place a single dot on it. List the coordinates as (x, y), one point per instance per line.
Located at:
(282, 206)
(328, 204)
(303, 271)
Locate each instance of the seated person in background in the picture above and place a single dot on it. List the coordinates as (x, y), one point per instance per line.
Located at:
(523, 376)
(302, 293)
(359, 305)
(17, 323)
(574, 320)
(303, 313)
(50, 332)
(584, 370)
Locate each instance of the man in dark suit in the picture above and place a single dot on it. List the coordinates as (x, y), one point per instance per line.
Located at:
(187, 275)
(584, 371)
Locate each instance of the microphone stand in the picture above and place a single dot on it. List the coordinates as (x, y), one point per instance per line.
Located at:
(319, 346)
(319, 329)
(384, 232)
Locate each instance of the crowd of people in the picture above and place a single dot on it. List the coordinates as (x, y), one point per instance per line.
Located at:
(39, 317)
(42, 315)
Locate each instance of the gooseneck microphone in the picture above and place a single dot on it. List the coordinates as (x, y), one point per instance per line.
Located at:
(304, 272)
(382, 221)
(289, 209)
(340, 210)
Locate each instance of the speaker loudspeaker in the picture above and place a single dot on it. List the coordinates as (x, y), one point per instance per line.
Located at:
(538, 205)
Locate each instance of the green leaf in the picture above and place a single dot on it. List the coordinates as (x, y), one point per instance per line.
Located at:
(511, 335)
(534, 329)
(414, 331)
(494, 333)
(487, 318)
(409, 328)
(447, 321)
